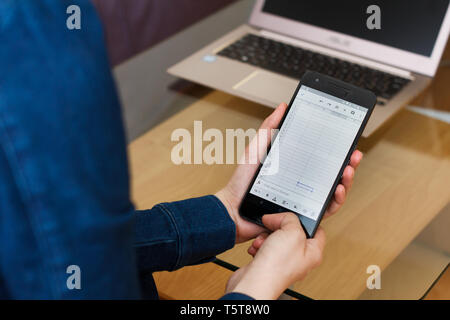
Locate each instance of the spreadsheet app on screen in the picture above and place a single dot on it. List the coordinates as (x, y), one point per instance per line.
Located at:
(309, 151)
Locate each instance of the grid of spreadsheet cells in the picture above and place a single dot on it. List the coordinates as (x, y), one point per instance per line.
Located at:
(312, 145)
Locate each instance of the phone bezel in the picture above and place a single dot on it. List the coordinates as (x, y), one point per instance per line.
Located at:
(330, 86)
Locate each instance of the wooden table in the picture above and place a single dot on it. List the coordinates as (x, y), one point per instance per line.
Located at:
(401, 185)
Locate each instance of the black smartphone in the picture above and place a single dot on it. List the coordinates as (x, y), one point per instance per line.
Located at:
(308, 155)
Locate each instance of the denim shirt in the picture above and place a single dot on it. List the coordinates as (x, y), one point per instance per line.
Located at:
(64, 184)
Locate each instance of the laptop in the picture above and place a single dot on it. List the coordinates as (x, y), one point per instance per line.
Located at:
(263, 60)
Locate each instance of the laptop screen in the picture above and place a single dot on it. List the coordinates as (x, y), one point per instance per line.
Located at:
(408, 25)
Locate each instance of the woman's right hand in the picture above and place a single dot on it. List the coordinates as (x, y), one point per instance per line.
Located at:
(280, 258)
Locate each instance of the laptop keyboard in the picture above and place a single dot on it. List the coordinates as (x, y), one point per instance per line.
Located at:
(294, 61)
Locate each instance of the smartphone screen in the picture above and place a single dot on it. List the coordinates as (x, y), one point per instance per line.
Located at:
(308, 153)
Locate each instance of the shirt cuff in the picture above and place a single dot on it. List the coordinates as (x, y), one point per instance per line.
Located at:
(236, 296)
(204, 229)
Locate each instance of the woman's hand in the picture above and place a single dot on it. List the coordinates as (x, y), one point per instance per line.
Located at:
(232, 195)
(284, 257)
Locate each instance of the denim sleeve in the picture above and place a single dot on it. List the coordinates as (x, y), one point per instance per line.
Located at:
(173, 235)
(64, 191)
(66, 220)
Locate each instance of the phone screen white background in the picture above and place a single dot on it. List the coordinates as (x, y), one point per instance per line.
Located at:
(309, 150)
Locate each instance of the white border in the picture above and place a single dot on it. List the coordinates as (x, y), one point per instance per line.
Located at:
(353, 45)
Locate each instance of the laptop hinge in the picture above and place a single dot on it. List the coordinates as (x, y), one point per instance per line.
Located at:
(337, 54)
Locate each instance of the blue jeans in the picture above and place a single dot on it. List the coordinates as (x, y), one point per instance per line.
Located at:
(64, 191)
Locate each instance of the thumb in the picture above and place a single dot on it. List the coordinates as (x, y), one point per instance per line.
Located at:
(257, 148)
(272, 121)
(285, 221)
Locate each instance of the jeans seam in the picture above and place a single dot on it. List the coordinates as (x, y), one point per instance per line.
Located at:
(23, 186)
(179, 242)
(152, 242)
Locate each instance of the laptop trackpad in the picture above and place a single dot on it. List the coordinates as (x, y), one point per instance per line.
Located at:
(267, 86)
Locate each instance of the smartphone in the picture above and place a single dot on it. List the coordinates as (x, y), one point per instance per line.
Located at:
(308, 155)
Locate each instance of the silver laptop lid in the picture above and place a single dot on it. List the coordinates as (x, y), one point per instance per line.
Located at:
(412, 34)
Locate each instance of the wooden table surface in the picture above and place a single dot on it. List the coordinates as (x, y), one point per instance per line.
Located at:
(401, 185)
